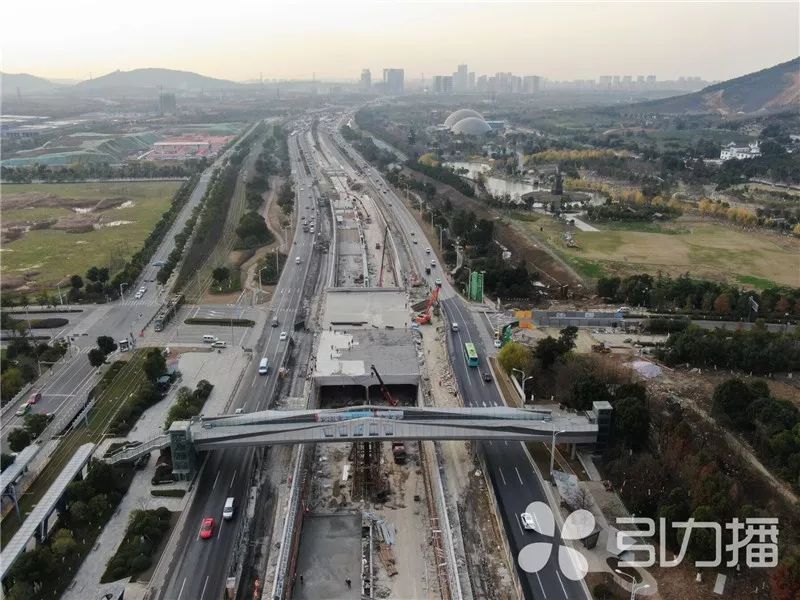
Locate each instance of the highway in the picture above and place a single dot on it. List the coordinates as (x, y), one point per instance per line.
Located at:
(515, 483)
(201, 566)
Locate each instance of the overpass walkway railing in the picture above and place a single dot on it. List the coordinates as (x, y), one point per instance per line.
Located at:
(134, 452)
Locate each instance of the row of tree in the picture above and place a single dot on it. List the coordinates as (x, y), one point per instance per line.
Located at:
(188, 403)
(24, 358)
(755, 351)
(685, 294)
(146, 529)
(81, 171)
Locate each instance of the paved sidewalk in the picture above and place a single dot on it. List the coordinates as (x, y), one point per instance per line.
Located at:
(221, 369)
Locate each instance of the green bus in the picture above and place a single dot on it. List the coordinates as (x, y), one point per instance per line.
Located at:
(470, 354)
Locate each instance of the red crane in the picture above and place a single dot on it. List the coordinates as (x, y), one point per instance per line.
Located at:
(384, 390)
(425, 317)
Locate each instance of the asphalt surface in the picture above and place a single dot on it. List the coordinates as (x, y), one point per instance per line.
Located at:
(202, 565)
(515, 483)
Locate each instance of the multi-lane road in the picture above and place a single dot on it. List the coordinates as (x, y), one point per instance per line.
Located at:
(200, 567)
(516, 484)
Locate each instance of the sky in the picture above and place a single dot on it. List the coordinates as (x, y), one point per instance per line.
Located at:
(281, 39)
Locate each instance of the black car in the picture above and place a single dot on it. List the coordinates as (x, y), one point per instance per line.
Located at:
(486, 376)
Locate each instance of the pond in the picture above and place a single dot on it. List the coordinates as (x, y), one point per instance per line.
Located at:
(496, 186)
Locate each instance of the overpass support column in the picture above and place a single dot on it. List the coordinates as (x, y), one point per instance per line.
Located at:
(184, 457)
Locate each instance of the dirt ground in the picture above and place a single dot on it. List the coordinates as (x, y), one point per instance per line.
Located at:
(482, 537)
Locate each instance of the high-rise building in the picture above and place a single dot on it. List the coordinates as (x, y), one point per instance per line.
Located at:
(531, 84)
(167, 104)
(460, 79)
(471, 80)
(443, 84)
(482, 84)
(393, 81)
(651, 79)
(605, 81)
(366, 79)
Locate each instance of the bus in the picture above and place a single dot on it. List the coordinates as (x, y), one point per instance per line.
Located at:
(470, 354)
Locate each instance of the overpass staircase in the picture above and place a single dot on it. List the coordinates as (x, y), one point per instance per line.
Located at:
(133, 452)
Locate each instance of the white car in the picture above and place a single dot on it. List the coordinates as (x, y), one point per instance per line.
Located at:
(218, 344)
(498, 343)
(284, 336)
(527, 520)
(138, 295)
(427, 250)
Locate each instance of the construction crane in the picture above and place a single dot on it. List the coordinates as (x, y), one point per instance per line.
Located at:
(424, 318)
(384, 390)
(383, 256)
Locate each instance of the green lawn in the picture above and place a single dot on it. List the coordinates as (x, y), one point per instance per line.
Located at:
(703, 248)
(53, 255)
(126, 382)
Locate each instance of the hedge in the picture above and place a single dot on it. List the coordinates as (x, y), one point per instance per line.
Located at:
(169, 493)
(225, 322)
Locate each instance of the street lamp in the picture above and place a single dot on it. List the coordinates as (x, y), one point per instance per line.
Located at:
(553, 451)
(634, 586)
(524, 380)
(122, 285)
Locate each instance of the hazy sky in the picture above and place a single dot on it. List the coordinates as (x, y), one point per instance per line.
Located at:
(237, 39)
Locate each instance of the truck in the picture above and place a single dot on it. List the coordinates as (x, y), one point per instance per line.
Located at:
(399, 453)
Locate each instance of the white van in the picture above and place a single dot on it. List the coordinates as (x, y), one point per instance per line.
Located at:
(297, 260)
(454, 327)
(227, 512)
(263, 366)
(209, 339)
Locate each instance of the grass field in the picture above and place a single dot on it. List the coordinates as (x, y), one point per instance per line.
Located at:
(702, 248)
(43, 257)
(126, 382)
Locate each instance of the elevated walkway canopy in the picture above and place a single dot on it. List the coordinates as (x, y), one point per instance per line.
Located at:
(43, 509)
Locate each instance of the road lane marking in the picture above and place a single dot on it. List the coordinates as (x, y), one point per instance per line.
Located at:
(217, 477)
(203, 593)
(180, 593)
(232, 478)
(518, 476)
(562, 585)
(503, 477)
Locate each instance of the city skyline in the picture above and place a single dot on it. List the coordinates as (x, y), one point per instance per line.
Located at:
(297, 41)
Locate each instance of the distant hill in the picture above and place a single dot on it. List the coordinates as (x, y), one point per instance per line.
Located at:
(153, 78)
(25, 83)
(774, 88)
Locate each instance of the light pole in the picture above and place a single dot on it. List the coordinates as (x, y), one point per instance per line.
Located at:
(60, 297)
(553, 451)
(634, 586)
(522, 383)
(121, 286)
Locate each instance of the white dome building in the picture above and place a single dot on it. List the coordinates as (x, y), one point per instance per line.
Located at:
(471, 126)
(461, 113)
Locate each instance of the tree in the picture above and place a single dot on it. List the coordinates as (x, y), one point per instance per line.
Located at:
(18, 439)
(515, 356)
(731, 400)
(63, 544)
(785, 579)
(547, 351)
(79, 511)
(34, 568)
(252, 230)
(220, 274)
(567, 337)
(35, 424)
(607, 287)
(585, 390)
(154, 364)
(6, 460)
(98, 505)
(96, 357)
(106, 344)
(76, 282)
(632, 421)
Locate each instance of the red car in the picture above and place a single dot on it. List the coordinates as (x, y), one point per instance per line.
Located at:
(35, 397)
(207, 529)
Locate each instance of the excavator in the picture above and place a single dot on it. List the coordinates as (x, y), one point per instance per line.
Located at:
(424, 318)
(384, 390)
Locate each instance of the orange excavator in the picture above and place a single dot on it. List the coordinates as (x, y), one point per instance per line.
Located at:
(424, 318)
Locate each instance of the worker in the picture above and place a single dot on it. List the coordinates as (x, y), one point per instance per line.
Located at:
(349, 583)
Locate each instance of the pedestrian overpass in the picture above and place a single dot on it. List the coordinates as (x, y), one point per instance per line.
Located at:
(361, 423)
